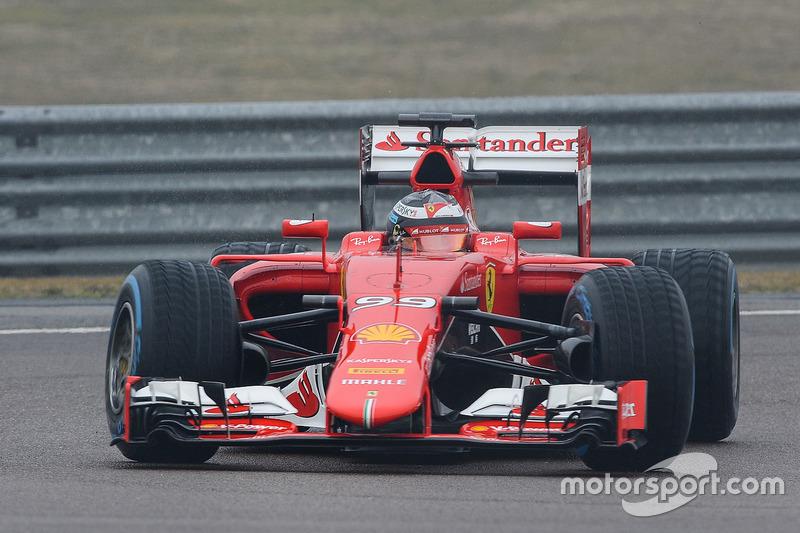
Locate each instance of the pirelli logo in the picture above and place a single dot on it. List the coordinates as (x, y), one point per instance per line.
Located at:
(376, 371)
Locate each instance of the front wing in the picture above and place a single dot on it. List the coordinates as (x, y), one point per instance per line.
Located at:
(609, 414)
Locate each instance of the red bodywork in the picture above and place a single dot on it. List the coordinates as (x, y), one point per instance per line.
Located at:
(392, 321)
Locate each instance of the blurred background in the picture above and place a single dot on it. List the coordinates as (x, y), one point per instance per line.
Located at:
(182, 51)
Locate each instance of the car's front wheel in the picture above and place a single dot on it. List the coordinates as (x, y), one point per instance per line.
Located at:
(642, 332)
(172, 319)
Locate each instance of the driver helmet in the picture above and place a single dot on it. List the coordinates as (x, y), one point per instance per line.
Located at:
(428, 221)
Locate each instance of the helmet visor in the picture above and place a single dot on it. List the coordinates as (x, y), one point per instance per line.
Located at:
(441, 243)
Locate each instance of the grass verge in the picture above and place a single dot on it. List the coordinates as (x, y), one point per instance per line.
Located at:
(122, 52)
(61, 287)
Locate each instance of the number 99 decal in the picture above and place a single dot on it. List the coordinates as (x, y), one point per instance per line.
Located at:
(420, 302)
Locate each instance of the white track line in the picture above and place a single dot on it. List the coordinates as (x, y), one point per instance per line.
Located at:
(52, 330)
(783, 312)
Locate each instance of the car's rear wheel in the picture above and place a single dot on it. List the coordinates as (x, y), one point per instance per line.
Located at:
(253, 248)
(709, 284)
(642, 331)
(172, 319)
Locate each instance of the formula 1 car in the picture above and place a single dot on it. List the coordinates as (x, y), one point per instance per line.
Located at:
(429, 334)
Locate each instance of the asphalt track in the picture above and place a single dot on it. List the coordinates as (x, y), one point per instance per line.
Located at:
(59, 474)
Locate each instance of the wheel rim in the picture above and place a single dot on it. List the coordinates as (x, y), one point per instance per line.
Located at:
(735, 345)
(120, 358)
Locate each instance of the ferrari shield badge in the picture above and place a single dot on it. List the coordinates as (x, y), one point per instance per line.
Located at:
(490, 285)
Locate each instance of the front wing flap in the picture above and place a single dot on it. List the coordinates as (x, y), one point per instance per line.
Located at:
(608, 414)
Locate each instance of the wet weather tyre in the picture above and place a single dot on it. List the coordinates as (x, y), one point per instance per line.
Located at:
(642, 331)
(253, 248)
(710, 285)
(172, 319)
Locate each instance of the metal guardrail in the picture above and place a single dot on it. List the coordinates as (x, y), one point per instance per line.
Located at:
(98, 189)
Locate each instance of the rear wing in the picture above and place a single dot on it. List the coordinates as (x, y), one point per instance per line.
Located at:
(501, 155)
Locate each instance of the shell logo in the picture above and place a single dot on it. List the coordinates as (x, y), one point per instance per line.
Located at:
(388, 333)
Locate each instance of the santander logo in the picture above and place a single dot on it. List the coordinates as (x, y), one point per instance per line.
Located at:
(534, 141)
(391, 144)
(304, 400)
(234, 406)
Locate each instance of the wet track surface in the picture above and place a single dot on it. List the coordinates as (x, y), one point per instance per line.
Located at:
(59, 474)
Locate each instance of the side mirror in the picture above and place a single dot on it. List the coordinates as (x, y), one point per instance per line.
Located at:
(537, 230)
(308, 229)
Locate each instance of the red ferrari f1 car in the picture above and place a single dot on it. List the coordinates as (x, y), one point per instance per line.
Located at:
(429, 334)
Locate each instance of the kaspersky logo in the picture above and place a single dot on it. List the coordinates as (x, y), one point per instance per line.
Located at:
(387, 333)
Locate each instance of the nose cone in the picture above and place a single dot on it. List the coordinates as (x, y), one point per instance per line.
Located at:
(382, 375)
(373, 400)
